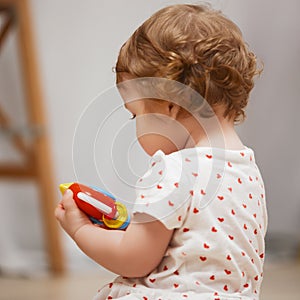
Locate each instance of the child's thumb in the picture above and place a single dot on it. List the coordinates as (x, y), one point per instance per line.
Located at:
(67, 200)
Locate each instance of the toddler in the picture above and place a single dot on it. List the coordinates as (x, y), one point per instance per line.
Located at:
(199, 219)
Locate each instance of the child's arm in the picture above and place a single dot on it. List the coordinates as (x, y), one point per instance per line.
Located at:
(131, 253)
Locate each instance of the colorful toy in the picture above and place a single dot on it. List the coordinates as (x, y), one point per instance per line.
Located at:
(101, 206)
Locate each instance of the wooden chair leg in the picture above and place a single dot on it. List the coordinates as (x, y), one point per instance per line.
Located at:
(41, 152)
(40, 167)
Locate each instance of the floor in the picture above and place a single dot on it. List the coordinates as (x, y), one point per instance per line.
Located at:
(282, 282)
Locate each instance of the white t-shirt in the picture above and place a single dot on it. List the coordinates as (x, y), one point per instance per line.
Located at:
(214, 199)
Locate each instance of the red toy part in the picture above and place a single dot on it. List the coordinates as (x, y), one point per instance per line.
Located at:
(83, 194)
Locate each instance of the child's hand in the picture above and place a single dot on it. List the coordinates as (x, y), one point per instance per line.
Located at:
(70, 217)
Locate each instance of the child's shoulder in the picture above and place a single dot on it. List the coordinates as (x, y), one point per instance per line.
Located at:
(195, 164)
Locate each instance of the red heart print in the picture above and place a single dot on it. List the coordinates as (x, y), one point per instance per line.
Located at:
(250, 196)
(243, 253)
(244, 205)
(152, 280)
(206, 246)
(153, 164)
(110, 285)
(191, 192)
(254, 215)
(165, 268)
(160, 172)
(231, 237)
(134, 285)
(179, 218)
(195, 174)
(228, 257)
(187, 160)
(230, 189)
(145, 298)
(214, 229)
(212, 277)
(109, 297)
(245, 226)
(142, 196)
(221, 198)
(242, 154)
(221, 220)
(228, 272)
(176, 184)
(255, 231)
(250, 178)
(246, 285)
(203, 192)
(256, 278)
(261, 255)
(186, 229)
(209, 156)
(233, 212)
(229, 164)
(159, 186)
(203, 258)
(176, 285)
(176, 272)
(239, 180)
(170, 203)
(225, 287)
(219, 176)
(195, 211)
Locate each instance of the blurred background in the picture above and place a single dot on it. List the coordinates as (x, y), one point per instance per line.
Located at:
(76, 44)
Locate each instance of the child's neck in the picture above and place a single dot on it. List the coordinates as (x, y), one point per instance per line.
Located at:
(221, 136)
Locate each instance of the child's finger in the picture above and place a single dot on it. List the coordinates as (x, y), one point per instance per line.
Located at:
(68, 201)
(59, 211)
(68, 194)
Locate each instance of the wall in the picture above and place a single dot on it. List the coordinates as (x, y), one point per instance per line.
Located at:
(77, 43)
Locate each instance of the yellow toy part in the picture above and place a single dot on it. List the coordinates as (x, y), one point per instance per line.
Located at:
(121, 218)
(64, 186)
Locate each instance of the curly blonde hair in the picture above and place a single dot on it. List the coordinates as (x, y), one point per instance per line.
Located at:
(199, 47)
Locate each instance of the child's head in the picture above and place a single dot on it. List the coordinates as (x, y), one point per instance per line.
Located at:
(197, 46)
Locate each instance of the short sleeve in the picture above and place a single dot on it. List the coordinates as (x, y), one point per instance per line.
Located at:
(163, 192)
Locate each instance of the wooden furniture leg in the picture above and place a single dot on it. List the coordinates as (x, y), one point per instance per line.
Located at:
(38, 159)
